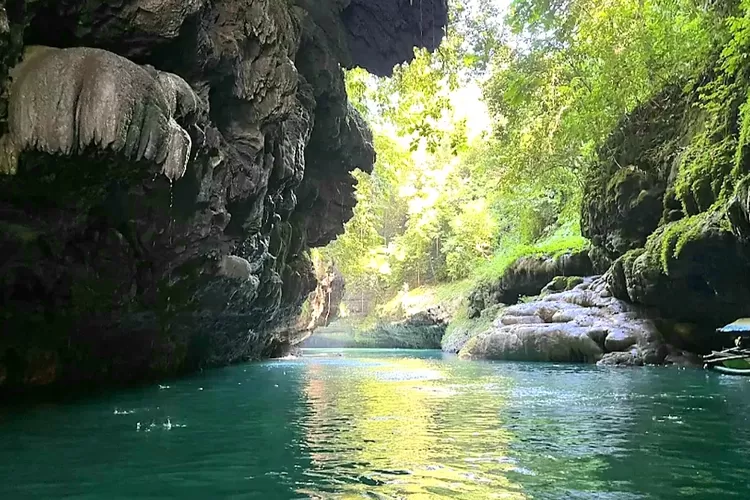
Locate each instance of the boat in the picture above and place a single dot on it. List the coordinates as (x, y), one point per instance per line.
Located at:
(733, 360)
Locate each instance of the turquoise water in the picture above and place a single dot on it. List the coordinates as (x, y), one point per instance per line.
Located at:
(390, 424)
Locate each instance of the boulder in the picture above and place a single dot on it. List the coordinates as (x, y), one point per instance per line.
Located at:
(562, 284)
(631, 357)
(461, 329)
(683, 358)
(420, 330)
(585, 324)
(543, 342)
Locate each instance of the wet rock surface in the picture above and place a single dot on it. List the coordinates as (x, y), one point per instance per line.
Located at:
(113, 271)
(585, 324)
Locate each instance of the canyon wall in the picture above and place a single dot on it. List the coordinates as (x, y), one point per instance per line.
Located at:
(165, 165)
(667, 206)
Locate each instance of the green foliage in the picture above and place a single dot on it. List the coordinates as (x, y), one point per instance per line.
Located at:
(735, 84)
(716, 155)
(462, 328)
(405, 302)
(451, 200)
(566, 238)
(581, 66)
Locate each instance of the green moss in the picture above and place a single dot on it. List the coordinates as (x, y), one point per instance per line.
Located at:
(566, 239)
(463, 329)
(574, 281)
(565, 283)
(669, 241)
(704, 174)
(631, 256)
(744, 137)
(625, 263)
(620, 183)
(708, 171)
(470, 345)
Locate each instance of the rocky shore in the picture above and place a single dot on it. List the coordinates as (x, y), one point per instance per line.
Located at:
(585, 324)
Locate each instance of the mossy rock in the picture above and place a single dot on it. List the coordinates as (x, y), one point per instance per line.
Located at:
(686, 255)
(704, 173)
(562, 284)
(526, 277)
(692, 270)
(624, 191)
(628, 210)
(462, 329)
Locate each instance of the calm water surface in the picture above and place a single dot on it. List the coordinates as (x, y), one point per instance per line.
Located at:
(390, 424)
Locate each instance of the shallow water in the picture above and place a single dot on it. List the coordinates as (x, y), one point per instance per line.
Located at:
(390, 424)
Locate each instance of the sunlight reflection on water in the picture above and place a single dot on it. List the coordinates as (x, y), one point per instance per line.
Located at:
(390, 424)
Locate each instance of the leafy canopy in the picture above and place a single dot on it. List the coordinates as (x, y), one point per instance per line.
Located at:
(463, 182)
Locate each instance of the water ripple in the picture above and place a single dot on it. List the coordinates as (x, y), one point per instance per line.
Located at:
(391, 424)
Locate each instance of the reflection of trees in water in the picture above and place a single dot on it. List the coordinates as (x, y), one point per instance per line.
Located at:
(407, 427)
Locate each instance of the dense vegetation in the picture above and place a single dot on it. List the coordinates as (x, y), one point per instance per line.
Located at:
(467, 181)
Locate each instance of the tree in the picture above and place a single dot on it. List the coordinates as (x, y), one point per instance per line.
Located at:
(556, 77)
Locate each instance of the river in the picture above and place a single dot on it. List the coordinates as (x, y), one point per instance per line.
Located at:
(390, 424)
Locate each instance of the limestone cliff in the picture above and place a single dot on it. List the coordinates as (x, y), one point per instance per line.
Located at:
(321, 308)
(164, 167)
(668, 204)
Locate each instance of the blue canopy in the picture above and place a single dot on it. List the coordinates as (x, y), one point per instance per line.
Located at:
(740, 327)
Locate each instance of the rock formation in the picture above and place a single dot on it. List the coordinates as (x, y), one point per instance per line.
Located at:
(65, 101)
(667, 210)
(667, 204)
(112, 271)
(322, 307)
(585, 324)
(421, 329)
(527, 276)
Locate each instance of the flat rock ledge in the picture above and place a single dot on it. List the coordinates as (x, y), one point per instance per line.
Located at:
(585, 325)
